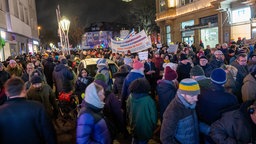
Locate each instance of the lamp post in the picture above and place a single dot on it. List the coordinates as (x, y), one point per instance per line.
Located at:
(64, 25)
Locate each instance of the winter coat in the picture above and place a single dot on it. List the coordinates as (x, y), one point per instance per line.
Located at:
(4, 76)
(48, 70)
(45, 96)
(133, 75)
(216, 63)
(183, 71)
(166, 91)
(249, 88)
(213, 102)
(17, 71)
(63, 76)
(118, 83)
(80, 86)
(235, 127)
(141, 110)
(207, 70)
(91, 127)
(26, 122)
(180, 124)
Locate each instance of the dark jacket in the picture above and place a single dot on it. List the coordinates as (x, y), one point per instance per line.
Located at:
(63, 76)
(235, 127)
(118, 83)
(91, 127)
(26, 122)
(183, 71)
(180, 124)
(213, 102)
(81, 84)
(46, 96)
(48, 70)
(166, 91)
(207, 70)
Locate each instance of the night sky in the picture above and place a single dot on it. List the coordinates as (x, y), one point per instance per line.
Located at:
(88, 11)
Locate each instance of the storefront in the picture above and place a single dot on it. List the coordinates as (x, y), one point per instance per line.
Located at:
(188, 36)
(241, 26)
(210, 35)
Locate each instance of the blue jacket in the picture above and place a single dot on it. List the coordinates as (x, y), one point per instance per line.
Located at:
(166, 91)
(91, 127)
(133, 75)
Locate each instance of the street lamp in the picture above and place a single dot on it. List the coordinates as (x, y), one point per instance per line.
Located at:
(38, 30)
(64, 25)
(127, 0)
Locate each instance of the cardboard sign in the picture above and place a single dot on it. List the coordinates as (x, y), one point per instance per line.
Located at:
(172, 48)
(143, 55)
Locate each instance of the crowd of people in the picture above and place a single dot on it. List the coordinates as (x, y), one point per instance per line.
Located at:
(192, 96)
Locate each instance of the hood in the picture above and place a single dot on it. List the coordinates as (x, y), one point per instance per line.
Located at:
(136, 97)
(59, 67)
(250, 78)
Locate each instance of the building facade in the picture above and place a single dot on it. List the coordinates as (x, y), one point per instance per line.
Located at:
(18, 27)
(209, 21)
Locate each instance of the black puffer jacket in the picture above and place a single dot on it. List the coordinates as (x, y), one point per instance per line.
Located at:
(235, 127)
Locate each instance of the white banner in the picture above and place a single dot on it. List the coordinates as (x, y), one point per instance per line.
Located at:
(172, 48)
(137, 43)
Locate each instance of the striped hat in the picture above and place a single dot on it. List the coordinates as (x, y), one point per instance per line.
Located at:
(189, 86)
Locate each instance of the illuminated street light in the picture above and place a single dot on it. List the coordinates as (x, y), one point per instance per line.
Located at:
(126, 0)
(38, 30)
(64, 25)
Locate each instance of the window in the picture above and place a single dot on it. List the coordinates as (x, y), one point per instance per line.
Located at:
(162, 5)
(21, 11)
(26, 16)
(241, 15)
(187, 23)
(15, 8)
(168, 35)
(184, 2)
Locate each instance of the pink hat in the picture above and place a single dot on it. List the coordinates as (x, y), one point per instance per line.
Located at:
(12, 61)
(169, 74)
(137, 64)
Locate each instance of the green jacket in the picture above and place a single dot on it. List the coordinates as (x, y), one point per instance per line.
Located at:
(142, 113)
(45, 96)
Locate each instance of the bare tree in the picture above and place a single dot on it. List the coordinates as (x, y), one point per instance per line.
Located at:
(75, 32)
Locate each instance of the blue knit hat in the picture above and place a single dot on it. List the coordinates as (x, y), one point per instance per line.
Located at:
(218, 76)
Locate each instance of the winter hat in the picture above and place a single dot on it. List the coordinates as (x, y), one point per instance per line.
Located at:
(197, 71)
(203, 57)
(127, 60)
(100, 79)
(169, 74)
(12, 61)
(218, 76)
(101, 61)
(218, 52)
(36, 79)
(137, 65)
(189, 86)
(183, 57)
(100, 76)
(91, 96)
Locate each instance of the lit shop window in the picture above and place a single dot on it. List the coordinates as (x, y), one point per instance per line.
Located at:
(168, 35)
(241, 15)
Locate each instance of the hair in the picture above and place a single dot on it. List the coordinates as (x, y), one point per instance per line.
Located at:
(140, 85)
(31, 65)
(233, 70)
(14, 86)
(80, 72)
(244, 55)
